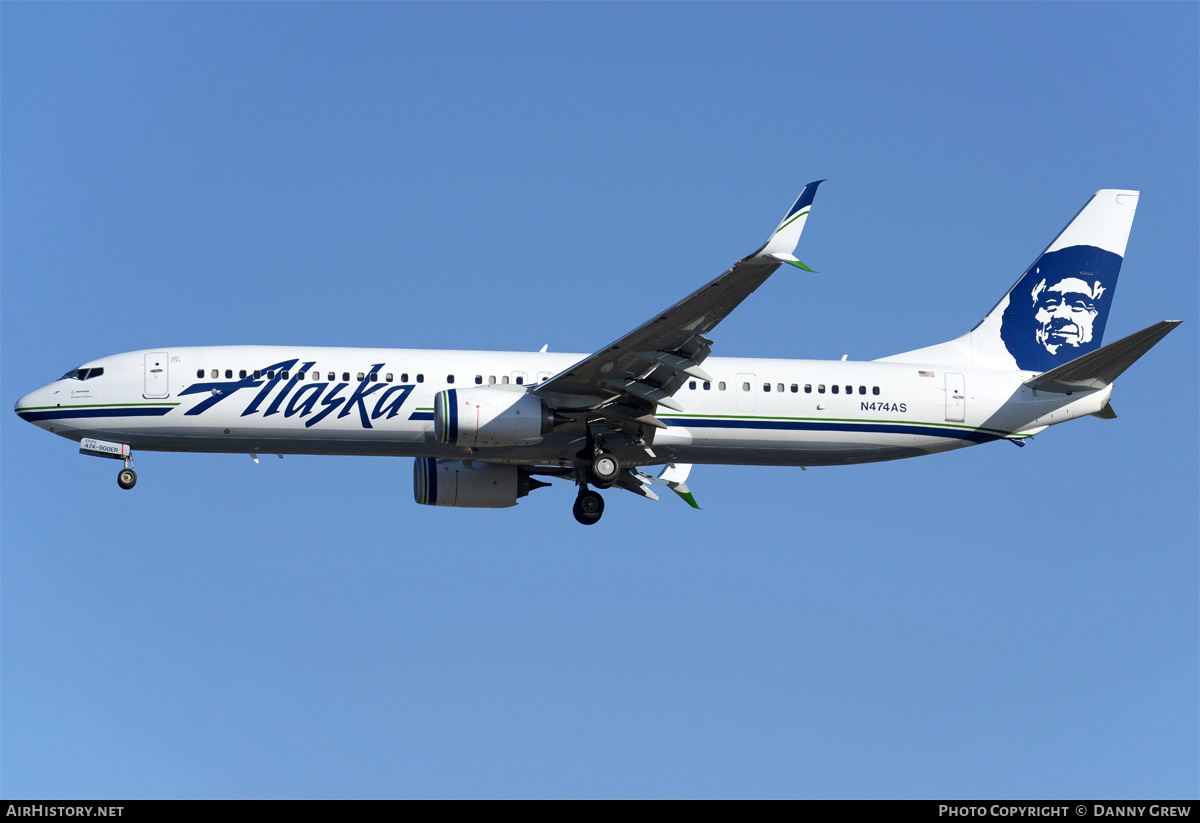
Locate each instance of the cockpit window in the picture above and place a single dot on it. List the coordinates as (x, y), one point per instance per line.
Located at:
(82, 374)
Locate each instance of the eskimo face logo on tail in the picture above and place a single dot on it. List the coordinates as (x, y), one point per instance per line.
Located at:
(1065, 312)
(1058, 309)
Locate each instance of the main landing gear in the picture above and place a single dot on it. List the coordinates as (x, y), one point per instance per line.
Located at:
(602, 473)
(604, 470)
(598, 468)
(588, 507)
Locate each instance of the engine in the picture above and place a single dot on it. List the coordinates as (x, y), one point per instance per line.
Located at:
(489, 416)
(474, 485)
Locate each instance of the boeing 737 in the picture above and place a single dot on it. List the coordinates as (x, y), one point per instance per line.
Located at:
(484, 426)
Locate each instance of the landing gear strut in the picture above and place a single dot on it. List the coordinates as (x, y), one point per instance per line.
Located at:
(588, 507)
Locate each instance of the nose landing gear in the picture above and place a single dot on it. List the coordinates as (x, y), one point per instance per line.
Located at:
(126, 479)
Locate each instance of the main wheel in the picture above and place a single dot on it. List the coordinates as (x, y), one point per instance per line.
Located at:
(588, 507)
(127, 479)
(604, 470)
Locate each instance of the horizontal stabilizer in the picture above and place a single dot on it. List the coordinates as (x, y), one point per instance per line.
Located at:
(1100, 368)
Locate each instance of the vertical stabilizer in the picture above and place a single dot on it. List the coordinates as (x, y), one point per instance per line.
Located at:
(1059, 307)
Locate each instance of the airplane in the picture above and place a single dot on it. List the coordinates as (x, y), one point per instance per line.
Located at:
(484, 426)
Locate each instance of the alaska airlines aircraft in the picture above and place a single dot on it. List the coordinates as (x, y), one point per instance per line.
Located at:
(484, 426)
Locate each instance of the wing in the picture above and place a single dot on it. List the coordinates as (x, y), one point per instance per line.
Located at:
(640, 371)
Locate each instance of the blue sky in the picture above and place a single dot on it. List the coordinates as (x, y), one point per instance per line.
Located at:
(993, 622)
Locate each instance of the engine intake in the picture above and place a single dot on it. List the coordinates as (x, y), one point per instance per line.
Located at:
(473, 486)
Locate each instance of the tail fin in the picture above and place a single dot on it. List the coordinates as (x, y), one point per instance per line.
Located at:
(1059, 307)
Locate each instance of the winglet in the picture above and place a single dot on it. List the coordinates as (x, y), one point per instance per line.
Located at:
(782, 243)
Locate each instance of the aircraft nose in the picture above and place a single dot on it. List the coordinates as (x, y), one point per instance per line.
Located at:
(30, 401)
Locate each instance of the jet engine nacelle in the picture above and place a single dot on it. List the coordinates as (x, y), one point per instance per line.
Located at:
(489, 416)
(470, 485)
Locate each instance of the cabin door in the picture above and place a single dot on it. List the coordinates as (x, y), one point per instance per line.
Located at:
(157, 386)
(956, 398)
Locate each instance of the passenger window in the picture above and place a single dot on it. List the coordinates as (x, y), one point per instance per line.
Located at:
(199, 372)
(795, 388)
(229, 374)
(821, 388)
(388, 377)
(721, 386)
(745, 387)
(808, 388)
(692, 385)
(862, 389)
(270, 374)
(404, 377)
(284, 374)
(834, 389)
(449, 378)
(214, 374)
(766, 386)
(779, 387)
(242, 374)
(331, 377)
(504, 379)
(420, 378)
(479, 380)
(345, 377)
(875, 390)
(374, 377)
(707, 385)
(300, 375)
(257, 374)
(491, 379)
(520, 381)
(361, 377)
(849, 390)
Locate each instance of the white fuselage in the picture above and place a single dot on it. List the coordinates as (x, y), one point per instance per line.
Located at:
(306, 400)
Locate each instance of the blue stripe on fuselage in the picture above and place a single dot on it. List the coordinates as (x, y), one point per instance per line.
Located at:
(66, 413)
(804, 425)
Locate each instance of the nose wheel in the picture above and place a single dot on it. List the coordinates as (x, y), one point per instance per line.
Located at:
(127, 477)
(588, 507)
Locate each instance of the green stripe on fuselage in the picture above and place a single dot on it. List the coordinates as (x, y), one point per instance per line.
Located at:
(1000, 432)
(96, 406)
